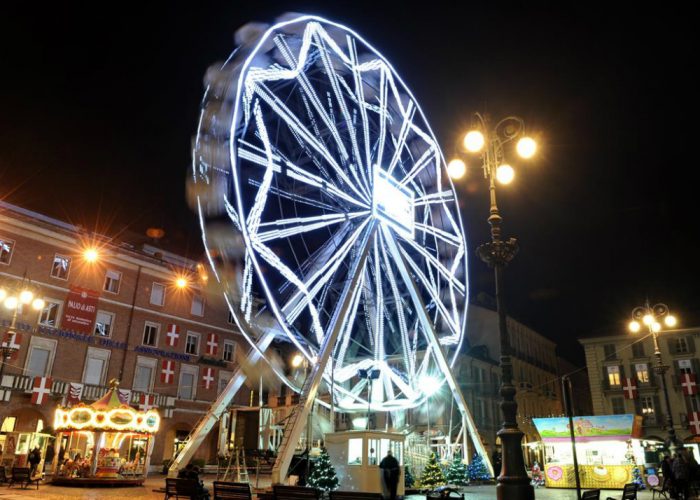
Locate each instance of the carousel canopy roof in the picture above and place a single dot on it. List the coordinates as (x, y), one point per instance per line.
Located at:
(107, 414)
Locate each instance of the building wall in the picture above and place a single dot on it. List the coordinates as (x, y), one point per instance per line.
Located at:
(35, 241)
(678, 351)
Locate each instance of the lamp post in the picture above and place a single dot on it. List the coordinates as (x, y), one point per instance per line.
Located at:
(651, 317)
(489, 143)
(13, 297)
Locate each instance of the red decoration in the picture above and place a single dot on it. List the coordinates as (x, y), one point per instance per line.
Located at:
(208, 377)
(41, 390)
(167, 372)
(630, 388)
(14, 341)
(148, 401)
(694, 421)
(212, 344)
(172, 335)
(689, 384)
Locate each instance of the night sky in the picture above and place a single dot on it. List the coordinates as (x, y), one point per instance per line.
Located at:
(98, 103)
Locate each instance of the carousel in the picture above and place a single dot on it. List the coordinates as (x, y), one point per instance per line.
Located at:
(107, 443)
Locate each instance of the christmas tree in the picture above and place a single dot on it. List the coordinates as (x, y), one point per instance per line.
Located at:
(432, 474)
(457, 472)
(637, 477)
(477, 470)
(408, 477)
(323, 475)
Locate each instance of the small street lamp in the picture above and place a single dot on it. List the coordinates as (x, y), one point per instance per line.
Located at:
(14, 296)
(652, 318)
(490, 144)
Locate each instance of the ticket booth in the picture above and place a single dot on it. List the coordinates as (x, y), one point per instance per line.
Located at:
(356, 456)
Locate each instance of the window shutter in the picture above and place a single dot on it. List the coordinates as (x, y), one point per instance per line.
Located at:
(696, 366)
(691, 343)
(653, 378)
(622, 374)
(606, 381)
(657, 410)
(671, 345)
(633, 374)
(637, 407)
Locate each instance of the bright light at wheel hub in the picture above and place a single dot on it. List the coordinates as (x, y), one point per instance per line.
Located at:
(393, 203)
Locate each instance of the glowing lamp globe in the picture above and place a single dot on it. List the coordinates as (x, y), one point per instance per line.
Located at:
(634, 326)
(429, 385)
(456, 168)
(297, 360)
(526, 147)
(670, 321)
(90, 255)
(26, 296)
(474, 141)
(505, 174)
(3, 293)
(181, 282)
(11, 302)
(656, 326)
(38, 304)
(648, 319)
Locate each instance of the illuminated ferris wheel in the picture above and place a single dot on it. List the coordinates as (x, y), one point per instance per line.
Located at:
(313, 153)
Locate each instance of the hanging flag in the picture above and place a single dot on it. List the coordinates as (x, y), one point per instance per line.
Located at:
(172, 335)
(12, 340)
(124, 396)
(75, 393)
(167, 372)
(212, 344)
(630, 388)
(689, 384)
(694, 422)
(147, 402)
(208, 377)
(41, 390)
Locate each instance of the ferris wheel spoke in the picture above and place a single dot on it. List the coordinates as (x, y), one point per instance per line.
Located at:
(403, 135)
(304, 224)
(295, 125)
(449, 238)
(426, 158)
(440, 197)
(359, 94)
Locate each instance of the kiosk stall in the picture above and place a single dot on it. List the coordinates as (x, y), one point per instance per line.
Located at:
(107, 443)
(608, 450)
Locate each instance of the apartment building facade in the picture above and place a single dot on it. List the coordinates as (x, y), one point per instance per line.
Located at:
(152, 323)
(622, 379)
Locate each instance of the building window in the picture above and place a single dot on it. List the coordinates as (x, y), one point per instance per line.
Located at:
(229, 350)
(231, 321)
(103, 323)
(60, 267)
(694, 403)
(638, 349)
(143, 374)
(40, 357)
(642, 371)
(197, 308)
(112, 281)
(96, 363)
(681, 345)
(50, 313)
(646, 403)
(192, 343)
(150, 333)
(187, 388)
(685, 366)
(618, 406)
(224, 378)
(8, 424)
(613, 375)
(6, 248)
(158, 294)
(610, 352)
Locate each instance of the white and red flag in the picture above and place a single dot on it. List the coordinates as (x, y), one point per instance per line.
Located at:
(167, 372)
(212, 344)
(12, 340)
(124, 396)
(75, 393)
(41, 390)
(147, 402)
(689, 384)
(630, 388)
(172, 335)
(694, 422)
(208, 377)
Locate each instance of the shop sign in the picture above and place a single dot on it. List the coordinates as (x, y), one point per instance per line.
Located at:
(80, 310)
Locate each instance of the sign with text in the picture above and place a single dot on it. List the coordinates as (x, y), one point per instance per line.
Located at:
(80, 310)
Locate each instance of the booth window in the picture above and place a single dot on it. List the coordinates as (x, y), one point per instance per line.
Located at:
(373, 452)
(354, 451)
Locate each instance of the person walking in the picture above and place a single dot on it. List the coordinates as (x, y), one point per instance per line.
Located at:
(391, 472)
(667, 474)
(680, 475)
(34, 460)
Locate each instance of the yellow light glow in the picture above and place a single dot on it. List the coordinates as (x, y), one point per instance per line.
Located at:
(634, 326)
(3, 294)
(181, 282)
(91, 255)
(297, 360)
(26, 296)
(474, 141)
(505, 174)
(656, 326)
(38, 304)
(526, 147)
(670, 321)
(117, 419)
(456, 168)
(11, 302)
(648, 319)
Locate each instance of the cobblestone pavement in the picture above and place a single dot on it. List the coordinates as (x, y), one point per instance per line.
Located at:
(49, 492)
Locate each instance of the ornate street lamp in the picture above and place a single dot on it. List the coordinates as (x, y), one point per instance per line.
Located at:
(13, 296)
(490, 144)
(652, 318)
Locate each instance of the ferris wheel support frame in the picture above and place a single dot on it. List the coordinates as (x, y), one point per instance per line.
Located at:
(467, 420)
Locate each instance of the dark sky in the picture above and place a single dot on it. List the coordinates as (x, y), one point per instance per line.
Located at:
(98, 103)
